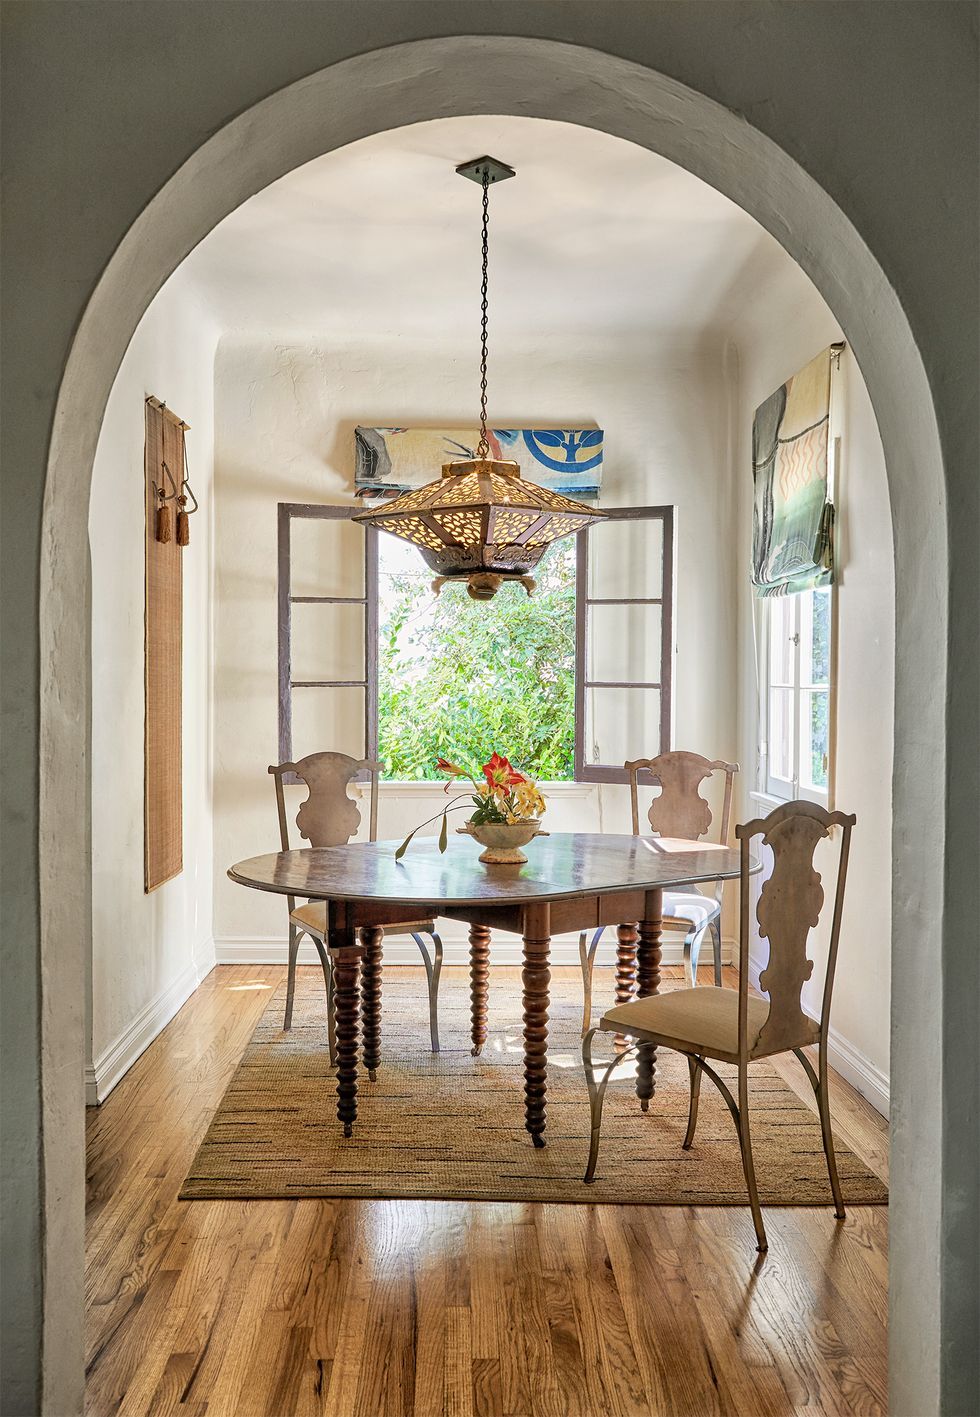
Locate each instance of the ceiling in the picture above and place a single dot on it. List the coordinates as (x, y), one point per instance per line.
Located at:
(594, 236)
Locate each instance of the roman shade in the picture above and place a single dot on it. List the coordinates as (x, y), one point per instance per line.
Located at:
(793, 517)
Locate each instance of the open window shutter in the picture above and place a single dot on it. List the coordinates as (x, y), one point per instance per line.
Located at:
(328, 606)
(624, 637)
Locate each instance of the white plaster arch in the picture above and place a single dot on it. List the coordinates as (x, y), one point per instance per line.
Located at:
(405, 84)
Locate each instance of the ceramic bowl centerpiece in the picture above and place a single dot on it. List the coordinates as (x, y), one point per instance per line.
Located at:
(503, 840)
(508, 808)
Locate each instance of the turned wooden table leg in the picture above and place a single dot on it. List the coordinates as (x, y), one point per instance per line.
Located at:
(536, 977)
(626, 938)
(346, 953)
(371, 944)
(648, 982)
(479, 985)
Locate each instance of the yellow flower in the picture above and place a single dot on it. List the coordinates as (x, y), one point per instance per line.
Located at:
(529, 800)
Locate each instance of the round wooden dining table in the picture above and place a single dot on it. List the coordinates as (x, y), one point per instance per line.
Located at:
(572, 881)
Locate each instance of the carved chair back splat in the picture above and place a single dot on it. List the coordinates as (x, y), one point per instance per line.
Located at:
(790, 904)
(679, 809)
(328, 817)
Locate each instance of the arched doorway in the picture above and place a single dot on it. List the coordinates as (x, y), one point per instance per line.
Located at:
(402, 85)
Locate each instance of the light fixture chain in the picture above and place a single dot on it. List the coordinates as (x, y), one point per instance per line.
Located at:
(483, 447)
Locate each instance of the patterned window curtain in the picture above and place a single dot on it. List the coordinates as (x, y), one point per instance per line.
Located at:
(793, 520)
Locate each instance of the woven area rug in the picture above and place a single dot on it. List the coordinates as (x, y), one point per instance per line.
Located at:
(450, 1126)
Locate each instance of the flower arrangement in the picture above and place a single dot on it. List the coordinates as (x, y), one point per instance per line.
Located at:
(502, 797)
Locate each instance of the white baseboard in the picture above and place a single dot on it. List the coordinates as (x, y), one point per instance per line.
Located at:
(112, 1065)
(401, 949)
(844, 1058)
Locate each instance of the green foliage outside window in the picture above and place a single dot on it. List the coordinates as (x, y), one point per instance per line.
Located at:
(460, 679)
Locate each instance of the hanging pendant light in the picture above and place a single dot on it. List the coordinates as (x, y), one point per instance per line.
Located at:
(481, 522)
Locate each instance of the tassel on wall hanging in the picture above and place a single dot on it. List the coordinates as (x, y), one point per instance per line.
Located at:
(163, 498)
(183, 514)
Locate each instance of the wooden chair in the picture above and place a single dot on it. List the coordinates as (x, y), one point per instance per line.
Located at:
(730, 1024)
(679, 810)
(328, 817)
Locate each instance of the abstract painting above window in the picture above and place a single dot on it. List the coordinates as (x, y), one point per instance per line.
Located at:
(391, 460)
(793, 519)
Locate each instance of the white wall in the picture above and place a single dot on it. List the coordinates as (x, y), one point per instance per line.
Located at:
(787, 326)
(149, 951)
(285, 416)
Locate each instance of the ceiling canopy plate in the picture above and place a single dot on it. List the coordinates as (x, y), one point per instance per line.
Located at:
(495, 170)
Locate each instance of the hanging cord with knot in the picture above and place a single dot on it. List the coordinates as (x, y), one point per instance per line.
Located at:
(483, 447)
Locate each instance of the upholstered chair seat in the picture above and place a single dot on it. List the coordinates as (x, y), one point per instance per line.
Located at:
(691, 906)
(703, 1021)
(312, 917)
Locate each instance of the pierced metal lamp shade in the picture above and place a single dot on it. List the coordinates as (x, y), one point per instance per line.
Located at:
(481, 523)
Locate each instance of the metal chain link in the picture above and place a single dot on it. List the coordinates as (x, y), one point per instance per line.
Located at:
(483, 447)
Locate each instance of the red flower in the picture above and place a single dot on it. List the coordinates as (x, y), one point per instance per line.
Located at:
(499, 773)
(444, 765)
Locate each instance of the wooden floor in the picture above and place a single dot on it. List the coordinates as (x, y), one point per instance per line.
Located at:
(404, 1308)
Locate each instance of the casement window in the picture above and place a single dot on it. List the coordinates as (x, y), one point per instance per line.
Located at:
(624, 641)
(798, 745)
(572, 682)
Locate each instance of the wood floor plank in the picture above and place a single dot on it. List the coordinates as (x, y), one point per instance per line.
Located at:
(334, 1308)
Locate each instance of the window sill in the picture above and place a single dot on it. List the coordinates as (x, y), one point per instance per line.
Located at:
(767, 800)
(437, 789)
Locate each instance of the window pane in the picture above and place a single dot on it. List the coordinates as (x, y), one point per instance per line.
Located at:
(782, 648)
(626, 559)
(328, 721)
(326, 556)
(621, 724)
(815, 637)
(624, 643)
(815, 733)
(459, 679)
(327, 641)
(781, 734)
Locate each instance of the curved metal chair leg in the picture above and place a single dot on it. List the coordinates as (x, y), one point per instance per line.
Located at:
(740, 1116)
(586, 954)
(690, 961)
(716, 947)
(586, 963)
(819, 1085)
(692, 952)
(597, 1095)
(748, 1166)
(295, 935)
(433, 970)
(326, 964)
(694, 1068)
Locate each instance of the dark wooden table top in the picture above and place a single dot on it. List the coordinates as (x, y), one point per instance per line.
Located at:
(561, 866)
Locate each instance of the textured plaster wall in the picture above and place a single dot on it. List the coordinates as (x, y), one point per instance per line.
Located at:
(786, 327)
(146, 946)
(872, 184)
(285, 415)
